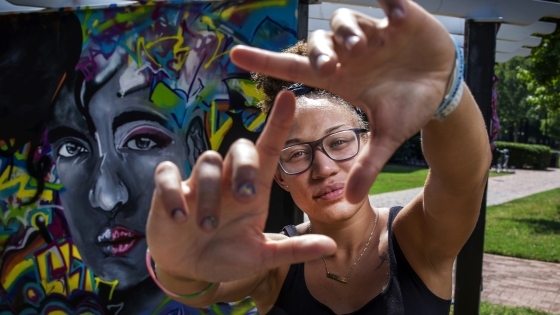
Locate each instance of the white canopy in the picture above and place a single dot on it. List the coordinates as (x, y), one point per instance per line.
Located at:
(516, 36)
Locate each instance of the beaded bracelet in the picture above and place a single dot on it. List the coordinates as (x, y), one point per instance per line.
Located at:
(453, 98)
(169, 293)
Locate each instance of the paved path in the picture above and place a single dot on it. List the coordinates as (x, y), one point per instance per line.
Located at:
(501, 189)
(507, 280)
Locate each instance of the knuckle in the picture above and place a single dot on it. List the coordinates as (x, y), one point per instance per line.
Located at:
(210, 157)
(165, 166)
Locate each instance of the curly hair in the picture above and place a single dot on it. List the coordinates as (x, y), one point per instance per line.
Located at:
(270, 87)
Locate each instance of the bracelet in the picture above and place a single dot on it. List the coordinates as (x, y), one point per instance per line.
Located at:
(452, 99)
(169, 293)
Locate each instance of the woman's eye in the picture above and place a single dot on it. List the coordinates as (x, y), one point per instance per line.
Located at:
(338, 143)
(141, 143)
(297, 154)
(71, 149)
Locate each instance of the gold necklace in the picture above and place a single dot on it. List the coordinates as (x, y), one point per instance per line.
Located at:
(347, 278)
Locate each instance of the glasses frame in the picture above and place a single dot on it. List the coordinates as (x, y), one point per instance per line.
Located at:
(319, 144)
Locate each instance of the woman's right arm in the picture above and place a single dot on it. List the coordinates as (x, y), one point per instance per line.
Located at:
(209, 228)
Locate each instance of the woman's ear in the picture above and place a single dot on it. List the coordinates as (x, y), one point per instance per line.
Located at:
(279, 180)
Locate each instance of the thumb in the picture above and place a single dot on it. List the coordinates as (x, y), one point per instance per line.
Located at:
(298, 249)
(368, 165)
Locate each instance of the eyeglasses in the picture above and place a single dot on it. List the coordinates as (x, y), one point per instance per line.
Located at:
(338, 146)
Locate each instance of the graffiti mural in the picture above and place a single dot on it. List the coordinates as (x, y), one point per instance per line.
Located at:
(91, 101)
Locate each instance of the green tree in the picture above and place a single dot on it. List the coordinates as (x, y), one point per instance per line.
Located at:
(513, 107)
(540, 74)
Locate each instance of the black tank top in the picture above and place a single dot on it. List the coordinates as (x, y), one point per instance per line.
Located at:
(405, 292)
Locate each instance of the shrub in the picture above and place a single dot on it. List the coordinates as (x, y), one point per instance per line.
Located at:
(523, 155)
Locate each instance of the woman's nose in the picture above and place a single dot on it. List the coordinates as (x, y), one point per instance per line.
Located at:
(323, 166)
(108, 191)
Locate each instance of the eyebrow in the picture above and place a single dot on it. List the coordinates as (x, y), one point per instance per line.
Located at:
(326, 132)
(130, 116)
(58, 133)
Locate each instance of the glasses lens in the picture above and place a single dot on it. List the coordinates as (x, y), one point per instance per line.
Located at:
(296, 158)
(341, 145)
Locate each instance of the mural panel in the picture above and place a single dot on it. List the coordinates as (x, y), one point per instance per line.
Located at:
(90, 102)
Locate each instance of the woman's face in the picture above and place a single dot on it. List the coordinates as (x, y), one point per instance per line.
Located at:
(107, 171)
(319, 191)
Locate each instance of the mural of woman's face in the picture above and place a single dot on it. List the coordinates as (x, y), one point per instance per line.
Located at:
(106, 166)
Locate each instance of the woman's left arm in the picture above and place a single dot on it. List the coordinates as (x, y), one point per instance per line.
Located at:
(439, 221)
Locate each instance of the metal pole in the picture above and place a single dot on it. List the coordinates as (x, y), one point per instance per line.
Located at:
(480, 46)
(282, 209)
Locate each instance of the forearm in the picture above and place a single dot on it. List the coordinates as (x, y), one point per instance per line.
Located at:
(457, 149)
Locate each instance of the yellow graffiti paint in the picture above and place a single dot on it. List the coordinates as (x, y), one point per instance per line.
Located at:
(51, 259)
(20, 181)
(250, 90)
(124, 17)
(180, 52)
(217, 135)
(22, 267)
(216, 55)
(226, 14)
(113, 284)
(257, 122)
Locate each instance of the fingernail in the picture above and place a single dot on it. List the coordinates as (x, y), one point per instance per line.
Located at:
(397, 13)
(322, 59)
(351, 42)
(178, 214)
(246, 189)
(209, 223)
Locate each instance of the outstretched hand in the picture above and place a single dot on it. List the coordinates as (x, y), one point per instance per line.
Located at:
(396, 70)
(210, 227)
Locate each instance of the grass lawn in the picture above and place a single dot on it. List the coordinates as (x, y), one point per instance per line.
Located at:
(525, 228)
(494, 309)
(401, 177)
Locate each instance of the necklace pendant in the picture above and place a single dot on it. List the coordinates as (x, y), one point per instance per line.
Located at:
(337, 278)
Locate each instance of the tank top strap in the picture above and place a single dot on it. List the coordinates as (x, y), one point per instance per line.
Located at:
(290, 230)
(393, 212)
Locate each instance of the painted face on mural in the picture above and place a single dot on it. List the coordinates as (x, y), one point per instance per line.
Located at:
(106, 154)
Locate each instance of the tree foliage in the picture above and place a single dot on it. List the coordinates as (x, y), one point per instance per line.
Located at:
(529, 88)
(513, 108)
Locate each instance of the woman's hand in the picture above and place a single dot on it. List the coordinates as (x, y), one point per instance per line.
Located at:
(396, 70)
(210, 227)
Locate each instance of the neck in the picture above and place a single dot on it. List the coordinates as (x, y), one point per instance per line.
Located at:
(350, 235)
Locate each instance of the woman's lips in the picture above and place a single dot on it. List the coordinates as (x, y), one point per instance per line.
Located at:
(332, 195)
(118, 240)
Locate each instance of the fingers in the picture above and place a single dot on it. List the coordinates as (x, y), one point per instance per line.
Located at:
(168, 191)
(273, 137)
(242, 164)
(321, 52)
(368, 165)
(348, 34)
(298, 249)
(207, 180)
(289, 67)
(395, 10)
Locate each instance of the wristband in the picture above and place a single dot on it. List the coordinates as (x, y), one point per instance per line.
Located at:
(453, 97)
(169, 293)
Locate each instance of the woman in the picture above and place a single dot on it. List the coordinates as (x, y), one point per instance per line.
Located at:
(205, 234)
